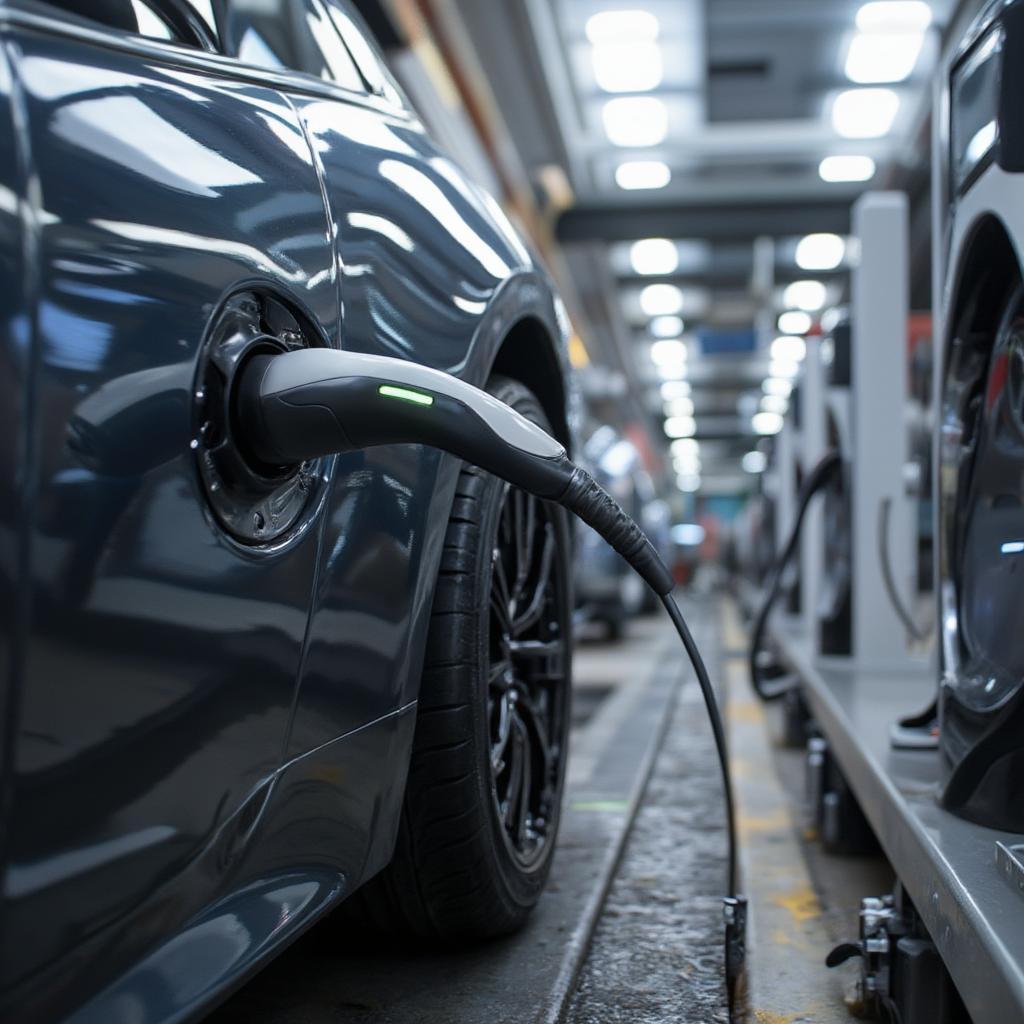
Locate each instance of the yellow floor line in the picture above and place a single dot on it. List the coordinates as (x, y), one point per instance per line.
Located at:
(787, 981)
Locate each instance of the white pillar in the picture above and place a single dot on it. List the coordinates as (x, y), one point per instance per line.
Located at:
(880, 307)
(812, 402)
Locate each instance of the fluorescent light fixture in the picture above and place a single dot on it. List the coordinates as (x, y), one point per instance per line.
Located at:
(789, 349)
(894, 16)
(616, 26)
(766, 422)
(821, 251)
(675, 389)
(754, 462)
(668, 352)
(685, 446)
(863, 113)
(661, 300)
(679, 407)
(779, 387)
(630, 66)
(805, 295)
(642, 174)
(635, 121)
(686, 463)
(654, 256)
(672, 371)
(688, 535)
(794, 322)
(876, 57)
(688, 482)
(846, 168)
(774, 403)
(786, 370)
(666, 326)
(680, 426)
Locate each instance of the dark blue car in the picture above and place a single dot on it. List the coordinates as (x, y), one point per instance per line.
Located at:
(235, 693)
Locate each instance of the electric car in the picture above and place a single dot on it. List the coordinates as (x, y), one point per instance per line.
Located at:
(237, 694)
(979, 176)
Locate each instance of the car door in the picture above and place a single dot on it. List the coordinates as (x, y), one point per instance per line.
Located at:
(173, 210)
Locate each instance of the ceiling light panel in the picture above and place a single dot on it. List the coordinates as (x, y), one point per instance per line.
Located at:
(766, 423)
(864, 113)
(794, 322)
(846, 168)
(634, 175)
(666, 326)
(635, 121)
(754, 462)
(654, 256)
(672, 389)
(820, 251)
(627, 66)
(877, 57)
(788, 349)
(894, 16)
(806, 295)
(668, 353)
(774, 403)
(661, 300)
(778, 387)
(680, 426)
(616, 26)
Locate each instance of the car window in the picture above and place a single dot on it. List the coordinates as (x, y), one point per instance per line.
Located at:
(138, 17)
(293, 34)
(357, 41)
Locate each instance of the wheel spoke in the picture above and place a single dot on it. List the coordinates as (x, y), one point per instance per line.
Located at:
(535, 648)
(537, 724)
(533, 610)
(513, 794)
(500, 745)
(526, 791)
(525, 519)
(500, 675)
(501, 598)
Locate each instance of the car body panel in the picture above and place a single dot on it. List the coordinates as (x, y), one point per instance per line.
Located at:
(162, 660)
(207, 744)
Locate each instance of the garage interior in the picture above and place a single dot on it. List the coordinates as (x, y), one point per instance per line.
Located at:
(784, 240)
(689, 171)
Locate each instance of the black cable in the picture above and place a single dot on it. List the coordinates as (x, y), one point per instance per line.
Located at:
(819, 476)
(711, 703)
(913, 629)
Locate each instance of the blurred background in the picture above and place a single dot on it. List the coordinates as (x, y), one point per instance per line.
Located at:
(686, 169)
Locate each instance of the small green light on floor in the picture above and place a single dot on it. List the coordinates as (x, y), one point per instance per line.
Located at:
(416, 397)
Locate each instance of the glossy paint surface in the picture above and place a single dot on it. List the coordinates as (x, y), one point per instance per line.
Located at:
(207, 742)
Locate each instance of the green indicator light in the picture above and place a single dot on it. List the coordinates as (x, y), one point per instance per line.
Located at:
(416, 397)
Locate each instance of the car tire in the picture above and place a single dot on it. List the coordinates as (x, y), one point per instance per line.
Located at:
(482, 801)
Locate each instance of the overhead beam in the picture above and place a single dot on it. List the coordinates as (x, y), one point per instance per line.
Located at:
(733, 222)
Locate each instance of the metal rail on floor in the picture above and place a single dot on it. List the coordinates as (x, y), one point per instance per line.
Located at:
(954, 871)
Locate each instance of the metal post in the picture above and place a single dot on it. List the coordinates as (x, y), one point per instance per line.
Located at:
(880, 290)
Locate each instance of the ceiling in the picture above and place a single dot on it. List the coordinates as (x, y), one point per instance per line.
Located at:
(746, 92)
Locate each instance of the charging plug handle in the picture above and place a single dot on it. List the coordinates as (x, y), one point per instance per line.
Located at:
(312, 402)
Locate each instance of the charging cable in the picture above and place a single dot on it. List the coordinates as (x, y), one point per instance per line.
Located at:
(815, 481)
(311, 402)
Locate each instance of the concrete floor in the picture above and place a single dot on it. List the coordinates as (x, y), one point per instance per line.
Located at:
(630, 928)
(657, 954)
